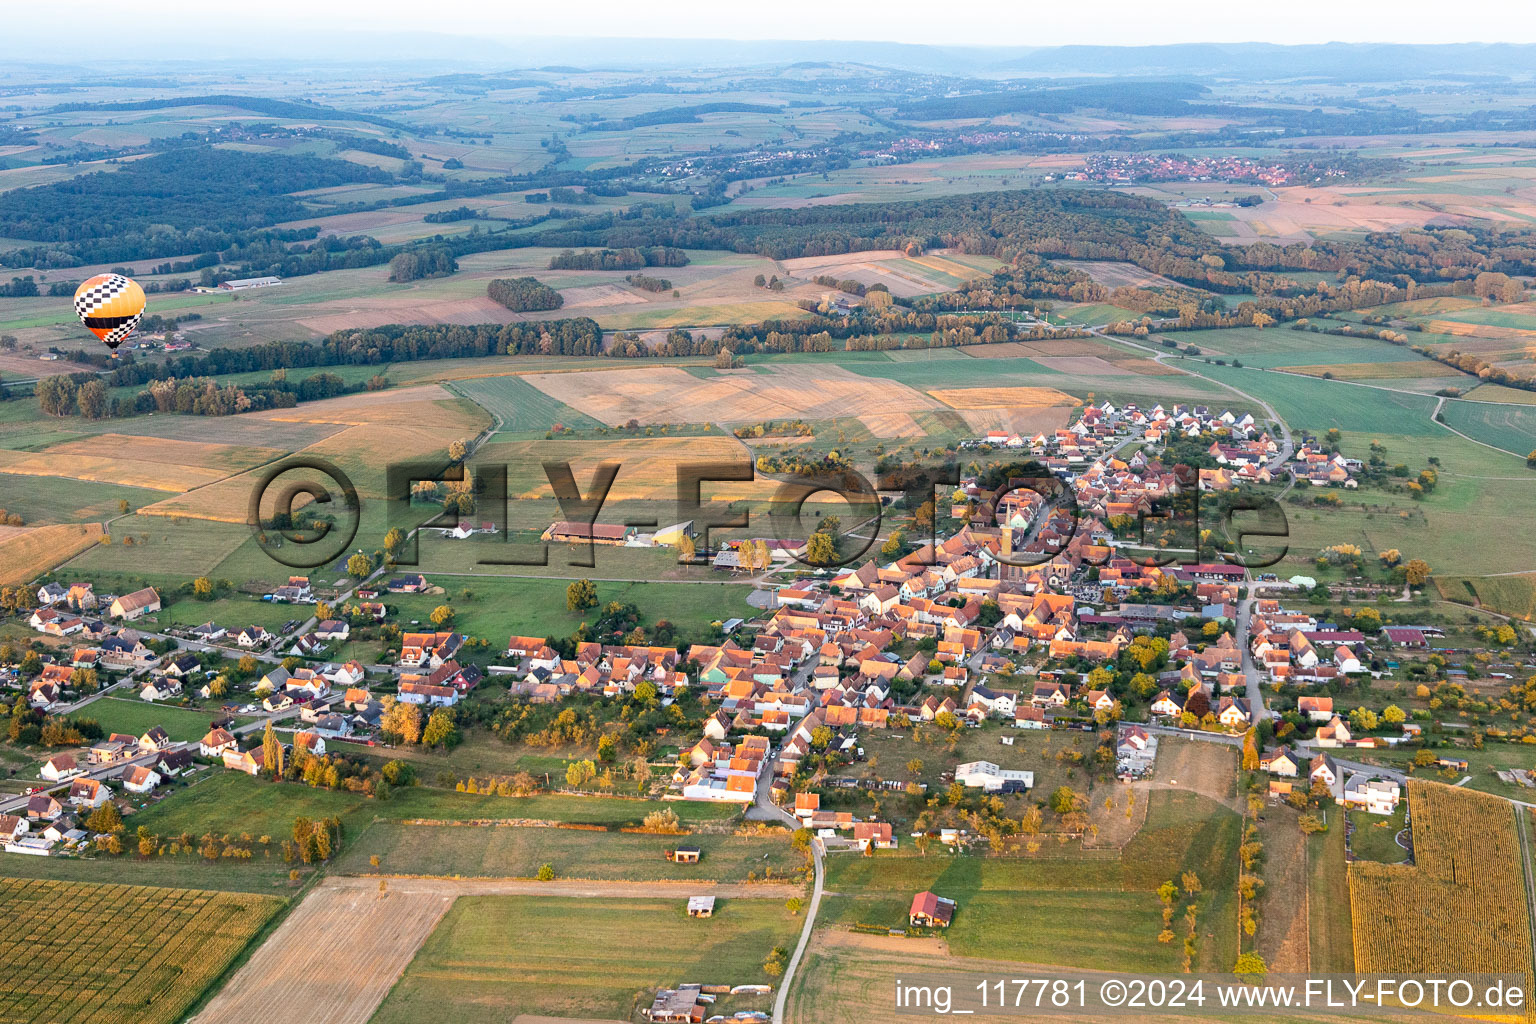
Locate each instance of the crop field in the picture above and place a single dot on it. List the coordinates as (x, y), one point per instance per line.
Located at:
(44, 500)
(1065, 904)
(1510, 427)
(61, 964)
(1509, 595)
(1518, 317)
(520, 408)
(376, 429)
(1403, 374)
(30, 553)
(944, 371)
(1461, 907)
(494, 957)
(1311, 404)
(666, 394)
(474, 851)
(1282, 347)
(53, 462)
(374, 934)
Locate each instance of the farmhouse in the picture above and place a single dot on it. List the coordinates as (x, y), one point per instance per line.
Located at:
(136, 605)
(243, 283)
(931, 911)
(701, 906)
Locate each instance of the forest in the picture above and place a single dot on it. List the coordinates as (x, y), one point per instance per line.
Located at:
(202, 187)
(523, 294)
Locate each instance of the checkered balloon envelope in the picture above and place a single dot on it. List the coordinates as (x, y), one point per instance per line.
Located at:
(110, 306)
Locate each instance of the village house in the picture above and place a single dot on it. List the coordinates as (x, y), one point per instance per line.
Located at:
(135, 605)
(931, 911)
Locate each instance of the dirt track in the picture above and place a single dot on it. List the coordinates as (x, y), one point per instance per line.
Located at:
(451, 887)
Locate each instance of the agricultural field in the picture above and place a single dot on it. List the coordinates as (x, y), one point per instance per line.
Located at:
(1462, 906)
(374, 933)
(50, 500)
(28, 553)
(1510, 427)
(97, 975)
(496, 956)
(471, 851)
(666, 394)
(518, 407)
(1316, 405)
(1509, 595)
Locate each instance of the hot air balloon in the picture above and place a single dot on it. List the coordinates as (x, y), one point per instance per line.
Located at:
(110, 306)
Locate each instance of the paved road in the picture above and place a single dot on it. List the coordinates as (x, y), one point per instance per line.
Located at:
(818, 852)
(1250, 670)
(14, 803)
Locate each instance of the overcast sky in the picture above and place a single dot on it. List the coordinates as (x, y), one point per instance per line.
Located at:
(153, 25)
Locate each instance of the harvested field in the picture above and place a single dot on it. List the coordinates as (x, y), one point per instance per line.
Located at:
(1283, 933)
(891, 424)
(1089, 364)
(667, 394)
(106, 470)
(1471, 330)
(374, 934)
(1114, 274)
(377, 427)
(905, 277)
(1001, 398)
(61, 965)
(600, 295)
(29, 554)
(228, 457)
(1033, 349)
(647, 466)
(1366, 371)
(1030, 420)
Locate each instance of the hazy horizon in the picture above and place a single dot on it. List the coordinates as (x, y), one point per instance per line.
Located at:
(392, 29)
